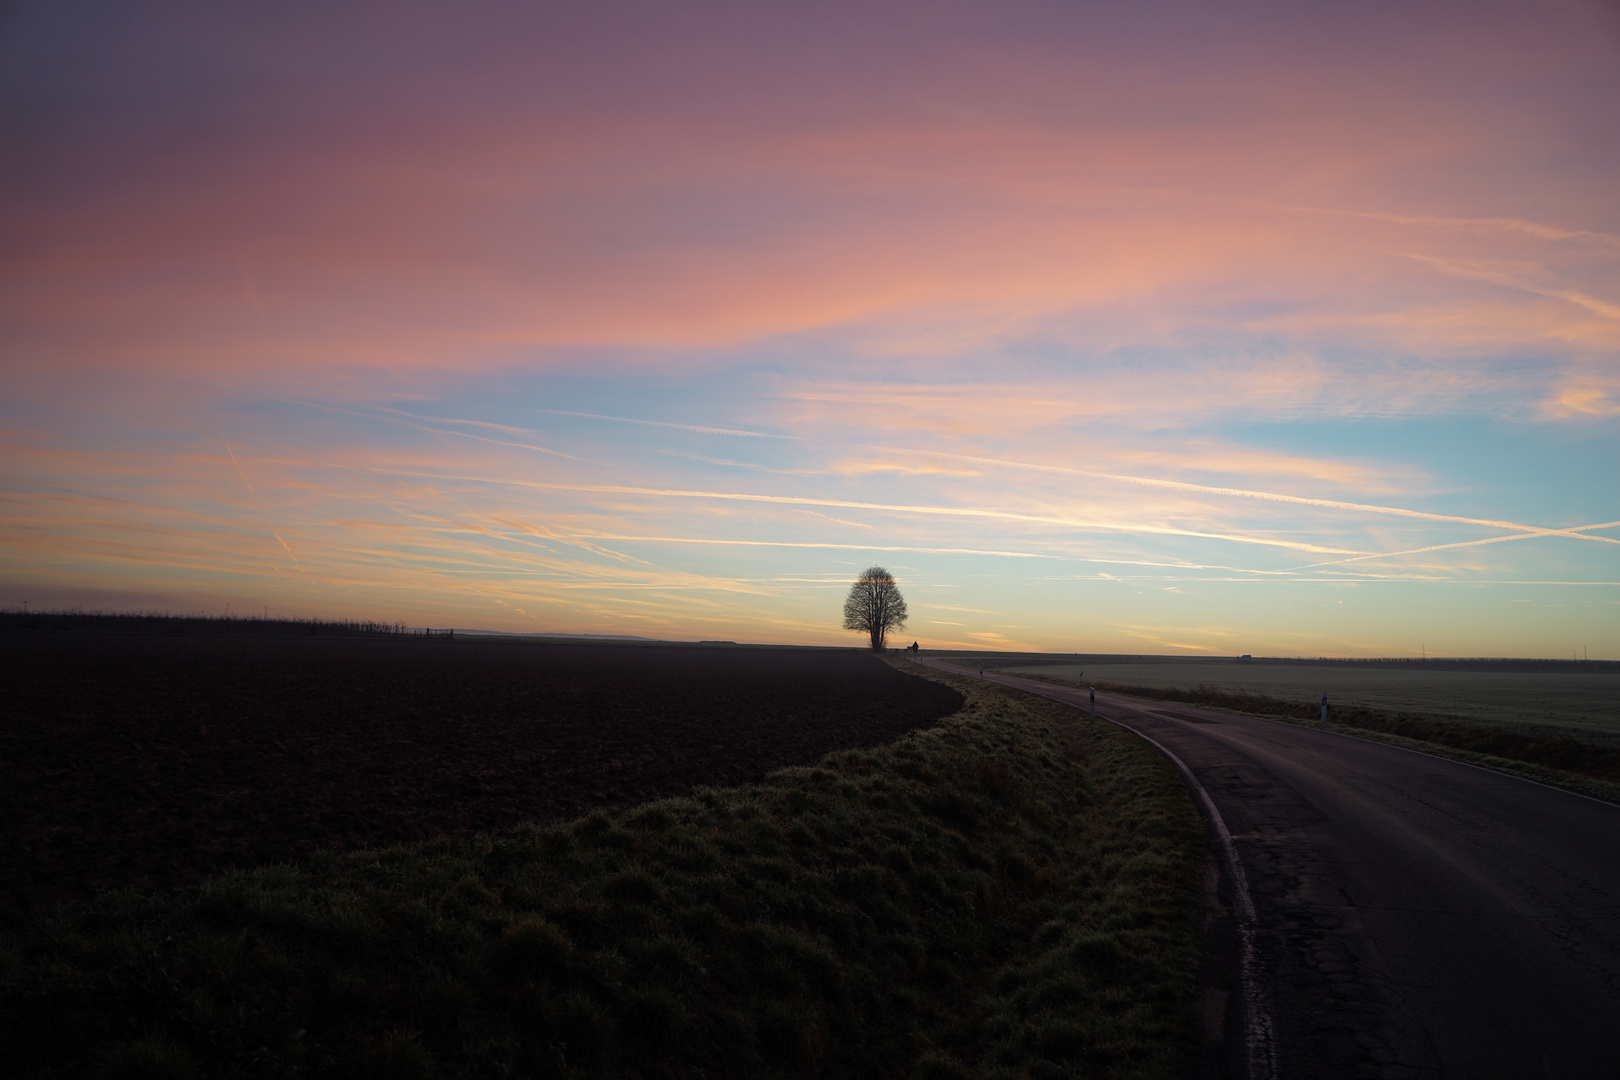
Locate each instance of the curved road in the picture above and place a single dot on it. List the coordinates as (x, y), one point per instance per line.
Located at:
(1414, 917)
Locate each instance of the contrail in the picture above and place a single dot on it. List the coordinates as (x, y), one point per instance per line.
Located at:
(837, 547)
(1271, 496)
(1577, 530)
(371, 414)
(1532, 228)
(238, 464)
(946, 511)
(1173, 485)
(663, 423)
(576, 541)
(1595, 305)
(487, 439)
(451, 421)
(245, 480)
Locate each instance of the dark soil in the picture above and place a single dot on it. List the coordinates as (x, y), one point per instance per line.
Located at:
(151, 761)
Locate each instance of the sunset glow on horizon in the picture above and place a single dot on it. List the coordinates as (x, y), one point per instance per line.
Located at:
(1219, 329)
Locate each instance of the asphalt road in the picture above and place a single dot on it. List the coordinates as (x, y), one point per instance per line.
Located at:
(1413, 917)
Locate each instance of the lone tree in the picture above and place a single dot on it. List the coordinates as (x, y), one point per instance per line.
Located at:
(875, 606)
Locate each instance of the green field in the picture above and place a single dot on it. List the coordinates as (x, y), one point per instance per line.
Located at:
(1588, 703)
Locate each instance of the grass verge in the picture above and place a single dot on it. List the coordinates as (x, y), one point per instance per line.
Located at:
(1012, 893)
(1557, 759)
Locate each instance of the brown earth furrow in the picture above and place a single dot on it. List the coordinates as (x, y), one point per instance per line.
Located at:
(151, 761)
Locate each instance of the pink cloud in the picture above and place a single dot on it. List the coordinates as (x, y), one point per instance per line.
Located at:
(499, 196)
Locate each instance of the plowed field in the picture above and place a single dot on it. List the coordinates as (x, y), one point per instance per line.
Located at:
(154, 760)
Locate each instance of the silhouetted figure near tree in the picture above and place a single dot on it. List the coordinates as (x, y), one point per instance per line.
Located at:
(874, 606)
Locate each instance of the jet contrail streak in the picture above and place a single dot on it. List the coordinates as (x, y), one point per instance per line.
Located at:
(945, 511)
(396, 416)
(1331, 504)
(1596, 305)
(238, 464)
(1533, 228)
(809, 544)
(1459, 544)
(664, 423)
(284, 544)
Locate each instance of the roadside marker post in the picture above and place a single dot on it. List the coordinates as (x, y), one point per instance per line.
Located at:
(1324, 706)
(1094, 704)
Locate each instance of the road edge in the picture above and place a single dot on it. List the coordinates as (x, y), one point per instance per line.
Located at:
(1258, 1036)
(1258, 1032)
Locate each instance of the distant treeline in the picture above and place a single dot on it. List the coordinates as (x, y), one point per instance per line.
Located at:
(1453, 663)
(152, 622)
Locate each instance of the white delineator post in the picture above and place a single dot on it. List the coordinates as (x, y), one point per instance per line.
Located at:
(1094, 704)
(1324, 706)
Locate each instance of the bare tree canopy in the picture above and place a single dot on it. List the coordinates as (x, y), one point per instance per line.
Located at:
(874, 606)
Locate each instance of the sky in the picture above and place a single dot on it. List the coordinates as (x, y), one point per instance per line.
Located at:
(1270, 328)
